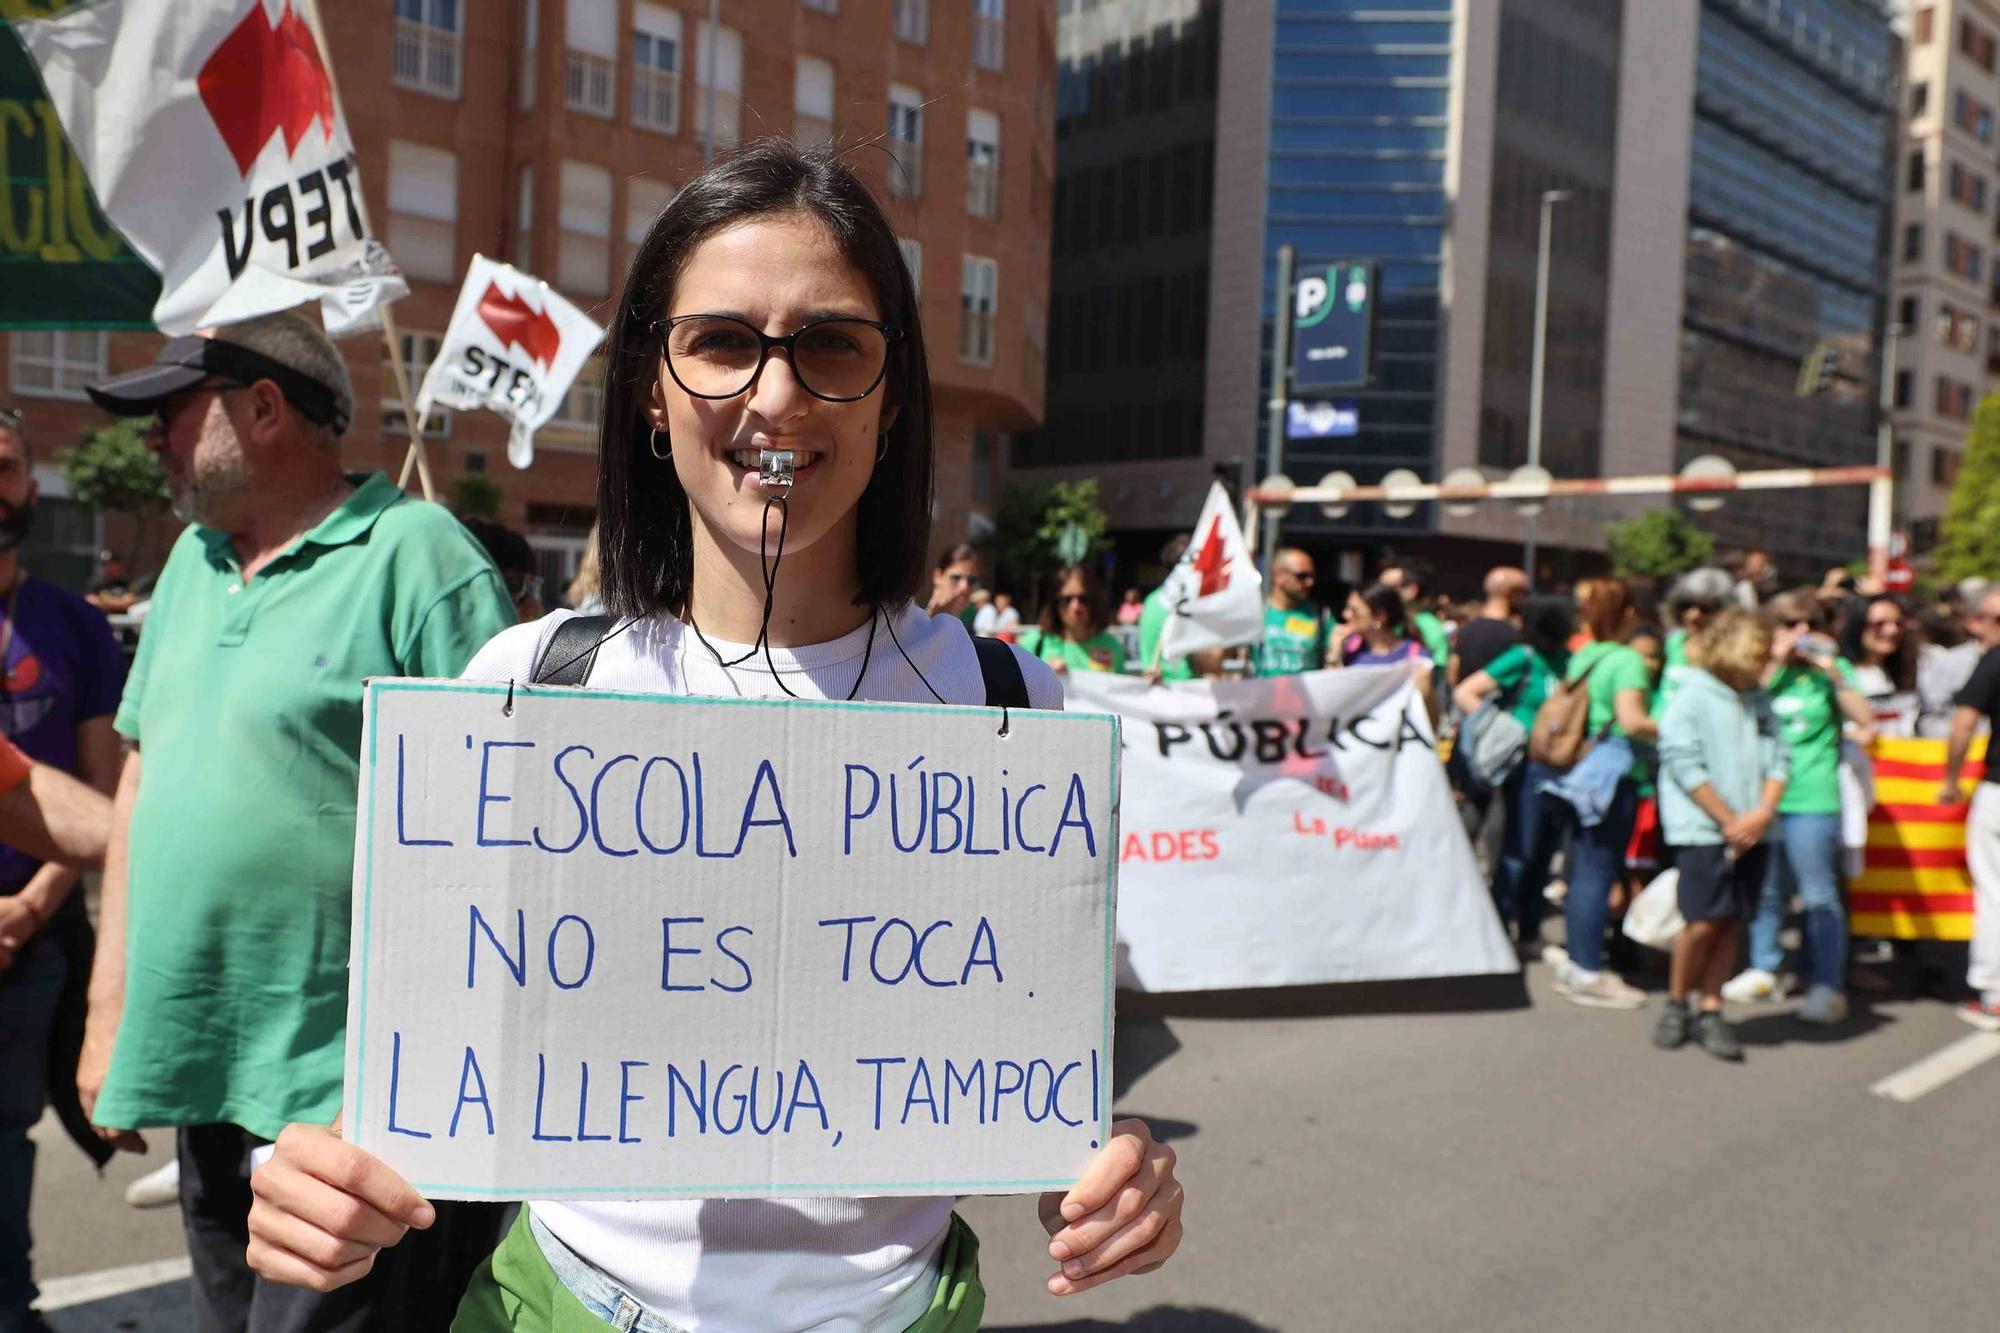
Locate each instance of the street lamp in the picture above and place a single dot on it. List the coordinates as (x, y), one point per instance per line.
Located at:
(1550, 198)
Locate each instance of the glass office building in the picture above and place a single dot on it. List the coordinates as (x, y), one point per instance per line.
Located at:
(1360, 124)
(1786, 248)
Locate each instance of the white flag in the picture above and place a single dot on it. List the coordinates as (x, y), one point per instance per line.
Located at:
(211, 134)
(514, 347)
(1215, 594)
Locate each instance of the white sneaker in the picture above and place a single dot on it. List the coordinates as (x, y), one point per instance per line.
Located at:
(1554, 955)
(156, 1189)
(1750, 985)
(1597, 990)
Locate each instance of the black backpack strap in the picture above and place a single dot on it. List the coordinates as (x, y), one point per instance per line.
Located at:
(1006, 687)
(572, 651)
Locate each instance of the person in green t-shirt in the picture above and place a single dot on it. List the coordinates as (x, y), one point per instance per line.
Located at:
(1297, 630)
(1072, 634)
(1523, 677)
(1695, 596)
(1153, 617)
(1813, 694)
(1411, 577)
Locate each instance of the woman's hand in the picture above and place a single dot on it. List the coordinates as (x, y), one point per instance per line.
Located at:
(324, 1209)
(1123, 1217)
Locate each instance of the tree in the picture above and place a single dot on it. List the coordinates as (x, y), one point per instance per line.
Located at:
(476, 495)
(112, 469)
(1969, 536)
(1042, 528)
(1657, 543)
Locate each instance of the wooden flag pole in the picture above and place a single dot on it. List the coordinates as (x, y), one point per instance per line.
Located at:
(391, 342)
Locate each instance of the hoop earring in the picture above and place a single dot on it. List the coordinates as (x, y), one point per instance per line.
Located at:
(882, 451)
(653, 443)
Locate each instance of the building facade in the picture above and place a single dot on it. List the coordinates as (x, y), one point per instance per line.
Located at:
(1945, 255)
(551, 133)
(1721, 170)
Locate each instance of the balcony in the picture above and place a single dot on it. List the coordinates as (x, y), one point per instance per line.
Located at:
(587, 83)
(812, 131)
(424, 58)
(728, 115)
(989, 42)
(906, 169)
(982, 189)
(656, 100)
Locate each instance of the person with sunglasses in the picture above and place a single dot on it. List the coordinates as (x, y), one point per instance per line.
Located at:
(720, 587)
(1812, 694)
(1298, 631)
(1881, 648)
(1074, 634)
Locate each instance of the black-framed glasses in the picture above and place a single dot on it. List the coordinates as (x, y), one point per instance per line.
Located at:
(839, 359)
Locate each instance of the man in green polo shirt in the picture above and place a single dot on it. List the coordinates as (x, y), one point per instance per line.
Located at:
(219, 997)
(1297, 630)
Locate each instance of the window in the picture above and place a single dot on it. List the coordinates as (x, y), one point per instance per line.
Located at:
(979, 292)
(913, 260)
(1944, 466)
(1973, 116)
(1913, 174)
(584, 403)
(1913, 242)
(989, 34)
(423, 210)
(1908, 311)
(1921, 28)
(1920, 100)
(583, 251)
(424, 48)
(812, 99)
(1966, 186)
(56, 363)
(1962, 257)
(590, 71)
(645, 200)
(419, 350)
(822, 6)
(982, 164)
(1904, 388)
(656, 68)
(719, 50)
(531, 26)
(913, 21)
(906, 142)
(1977, 43)
(1958, 330)
(524, 221)
(1953, 400)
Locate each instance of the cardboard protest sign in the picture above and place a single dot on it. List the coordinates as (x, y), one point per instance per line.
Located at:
(211, 134)
(1290, 831)
(514, 347)
(630, 946)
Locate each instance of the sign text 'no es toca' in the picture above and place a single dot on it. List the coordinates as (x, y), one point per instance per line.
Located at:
(631, 946)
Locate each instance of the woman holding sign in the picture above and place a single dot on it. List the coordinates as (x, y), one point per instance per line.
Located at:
(764, 513)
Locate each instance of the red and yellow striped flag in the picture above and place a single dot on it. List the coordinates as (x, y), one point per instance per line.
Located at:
(1913, 883)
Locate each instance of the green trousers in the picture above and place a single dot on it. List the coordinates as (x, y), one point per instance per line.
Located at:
(516, 1291)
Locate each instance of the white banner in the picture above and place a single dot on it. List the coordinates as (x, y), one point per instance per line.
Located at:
(1215, 592)
(515, 346)
(629, 946)
(1290, 831)
(210, 131)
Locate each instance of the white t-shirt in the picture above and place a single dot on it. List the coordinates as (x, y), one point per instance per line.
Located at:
(770, 1265)
(985, 620)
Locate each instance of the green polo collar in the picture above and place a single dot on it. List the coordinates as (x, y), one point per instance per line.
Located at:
(373, 493)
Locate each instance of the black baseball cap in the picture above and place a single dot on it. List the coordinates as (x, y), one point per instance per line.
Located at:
(187, 361)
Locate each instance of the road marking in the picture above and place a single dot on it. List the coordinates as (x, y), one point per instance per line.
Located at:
(1939, 1068)
(60, 1293)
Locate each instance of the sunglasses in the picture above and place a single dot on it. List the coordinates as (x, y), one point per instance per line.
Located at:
(1069, 597)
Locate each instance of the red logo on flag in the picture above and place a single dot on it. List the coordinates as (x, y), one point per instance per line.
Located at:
(517, 324)
(1212, 561)
(263, 81)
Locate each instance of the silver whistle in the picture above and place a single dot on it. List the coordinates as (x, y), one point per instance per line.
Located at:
(774, 470)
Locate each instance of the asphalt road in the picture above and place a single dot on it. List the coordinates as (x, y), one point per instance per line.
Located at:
(1541, 1168)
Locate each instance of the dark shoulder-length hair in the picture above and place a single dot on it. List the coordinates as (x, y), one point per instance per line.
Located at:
(1094, 601)
(645, 536)
(1387, 606)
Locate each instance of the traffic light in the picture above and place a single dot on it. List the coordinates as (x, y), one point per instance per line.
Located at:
(1818, 371)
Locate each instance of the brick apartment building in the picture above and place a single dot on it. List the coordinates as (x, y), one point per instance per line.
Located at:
(550, 133)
